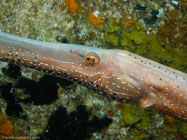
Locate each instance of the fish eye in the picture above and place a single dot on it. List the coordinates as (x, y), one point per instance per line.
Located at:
(92, 59)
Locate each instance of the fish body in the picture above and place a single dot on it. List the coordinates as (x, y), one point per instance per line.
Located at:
(118, 74)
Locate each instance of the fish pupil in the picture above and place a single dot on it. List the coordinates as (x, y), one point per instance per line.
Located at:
(91, 59)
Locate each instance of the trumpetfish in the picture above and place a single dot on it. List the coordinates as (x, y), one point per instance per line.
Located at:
(118, 74)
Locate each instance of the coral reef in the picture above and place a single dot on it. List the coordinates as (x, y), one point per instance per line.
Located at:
(12, 71)
(175, 127)
(76, 125)
(173, 31)
(136, 116)
(132, 37)
(153, 29)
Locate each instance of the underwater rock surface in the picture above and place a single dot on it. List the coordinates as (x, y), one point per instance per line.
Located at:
(36, 103)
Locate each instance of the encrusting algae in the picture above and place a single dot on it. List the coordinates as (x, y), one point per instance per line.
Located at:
(132, 115)
(173, 31)
(96, 18)
(6, 127)
(132, 37)
(129, 21)
(72, 5)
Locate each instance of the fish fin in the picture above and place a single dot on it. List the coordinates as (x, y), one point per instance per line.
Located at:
(148, 100)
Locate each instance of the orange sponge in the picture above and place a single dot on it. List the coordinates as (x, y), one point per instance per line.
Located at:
(6, 127)
(72, 5)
